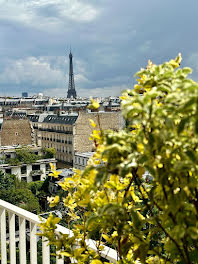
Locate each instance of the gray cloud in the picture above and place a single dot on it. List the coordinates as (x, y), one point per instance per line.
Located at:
(110, 41)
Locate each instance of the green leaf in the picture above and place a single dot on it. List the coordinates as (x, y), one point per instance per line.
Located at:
(187, 70)
(191, 155)
(136, 219)
(96, 261)
(193, 232)
(182, 124)
(194, 255)
(196, 126)
(66, 254)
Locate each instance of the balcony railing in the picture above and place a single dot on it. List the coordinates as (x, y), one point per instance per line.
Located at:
(25, 218)
(56, 131)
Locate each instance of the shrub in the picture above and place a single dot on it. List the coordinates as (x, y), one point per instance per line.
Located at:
(151, 219)
(35, 187)
(24, 155)
(16, 192)
(48, 153)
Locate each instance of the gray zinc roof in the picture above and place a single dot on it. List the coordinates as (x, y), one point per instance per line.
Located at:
(19, 114)
(66, 119)
(33, 118)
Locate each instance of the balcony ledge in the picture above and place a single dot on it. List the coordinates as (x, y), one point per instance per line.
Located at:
(108, 253)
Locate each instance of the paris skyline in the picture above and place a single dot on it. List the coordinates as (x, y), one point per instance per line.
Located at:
(110, 41)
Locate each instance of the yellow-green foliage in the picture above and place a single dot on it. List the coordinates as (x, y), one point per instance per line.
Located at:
(153, 221)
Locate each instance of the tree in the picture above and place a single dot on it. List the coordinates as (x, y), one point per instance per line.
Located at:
(48, 153)
(25, 199)
(35, 187)
(24, 155)
(6, 181)
(151, 220)
(16, 192)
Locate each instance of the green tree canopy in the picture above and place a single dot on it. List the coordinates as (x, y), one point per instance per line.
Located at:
(48, 153)
(23, 155)
(6, 181)
(16, 192)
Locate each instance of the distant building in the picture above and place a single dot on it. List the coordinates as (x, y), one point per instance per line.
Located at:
(70, 133)
(54, 182)
(24, 94)
(81, 159)
(57, 132)
(83, 129)
(27, 102)
(28, 172)
(17, 132)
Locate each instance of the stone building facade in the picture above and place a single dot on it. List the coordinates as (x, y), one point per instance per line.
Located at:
(17, 132)
(57, 132)
(81, 159)
(70, 133)
(83, 129)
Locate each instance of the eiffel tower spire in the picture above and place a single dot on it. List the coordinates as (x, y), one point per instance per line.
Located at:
(71, 93)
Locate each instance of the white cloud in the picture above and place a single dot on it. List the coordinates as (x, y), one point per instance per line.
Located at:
(35, 13)
(80, 66)
(103, 91)
(58, 92)
(79, 78)
(36, 71)
(82, 92)
(44, 71)
(77, 10)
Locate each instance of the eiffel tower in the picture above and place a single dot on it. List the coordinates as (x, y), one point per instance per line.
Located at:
(71, 93)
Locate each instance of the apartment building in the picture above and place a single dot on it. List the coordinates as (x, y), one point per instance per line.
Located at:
(28, 172)
(69, 133)
(81, 159)
(16, 132)
(57, 132)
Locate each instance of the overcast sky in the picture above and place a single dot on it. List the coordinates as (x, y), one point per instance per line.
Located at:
(110, 40)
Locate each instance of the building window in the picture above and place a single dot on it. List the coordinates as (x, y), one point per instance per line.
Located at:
(8, 171)
(36, 167)
(24, 179)
(8, 156)
(36, 178)
(48, 166)
(23, 170)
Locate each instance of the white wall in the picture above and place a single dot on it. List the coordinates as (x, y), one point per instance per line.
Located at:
(17, 170)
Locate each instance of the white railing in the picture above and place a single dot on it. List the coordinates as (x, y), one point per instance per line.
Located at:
(26, 218)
